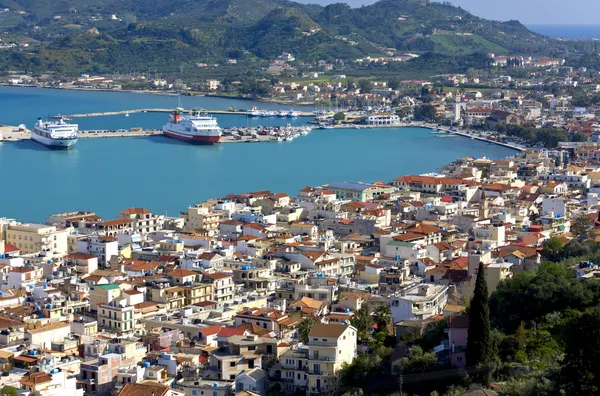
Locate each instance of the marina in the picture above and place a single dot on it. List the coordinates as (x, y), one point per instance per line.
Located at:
(167, 110)
(119, 145)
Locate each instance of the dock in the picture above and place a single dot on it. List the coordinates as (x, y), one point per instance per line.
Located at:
(126, 112)
(14, 134)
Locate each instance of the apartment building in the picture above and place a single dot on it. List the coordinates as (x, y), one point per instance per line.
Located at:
(34, 238)
(116, 316)
(144, 221)
(329, 347)
(418, 301)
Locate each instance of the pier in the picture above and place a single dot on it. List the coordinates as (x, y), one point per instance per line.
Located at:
(126, 112)
(14, 134)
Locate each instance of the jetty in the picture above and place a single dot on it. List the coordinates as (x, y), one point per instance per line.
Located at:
(14, 134)
(127, 112)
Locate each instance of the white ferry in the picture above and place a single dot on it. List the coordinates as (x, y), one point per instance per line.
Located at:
(193, 128)
(55, 134)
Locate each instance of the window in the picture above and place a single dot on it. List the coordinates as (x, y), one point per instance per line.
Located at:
(231, 364)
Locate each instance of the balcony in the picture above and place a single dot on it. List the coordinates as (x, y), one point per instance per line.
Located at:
(323, 358)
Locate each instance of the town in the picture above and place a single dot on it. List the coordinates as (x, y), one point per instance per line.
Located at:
(261, 292)
(538, 101)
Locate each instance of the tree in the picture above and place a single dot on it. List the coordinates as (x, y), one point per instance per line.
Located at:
(425, 113)
(362, 322)
(418, 361)
(382, 317)
(339, 116)
(365, 86)
(551, 248)
(394, 83)
(479, 342)
(304, 328)
(579, 372)
(9, 391)
(580, 225)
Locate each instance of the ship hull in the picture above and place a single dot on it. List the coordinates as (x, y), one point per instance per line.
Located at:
(55, 144)
(191, 138)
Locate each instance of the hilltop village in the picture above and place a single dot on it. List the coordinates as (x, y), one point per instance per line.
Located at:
(258, 290)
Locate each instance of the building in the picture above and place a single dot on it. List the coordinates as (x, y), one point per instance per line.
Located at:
(383, 119)
(116, 316)
(149, 389)
(361, 192)
(329, 347)
(222, 285)
(44, 336)
(144, 221)
(418, 301)
(34, 238)
(103, 247)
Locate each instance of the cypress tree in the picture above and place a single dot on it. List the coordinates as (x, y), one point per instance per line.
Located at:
(479, 342)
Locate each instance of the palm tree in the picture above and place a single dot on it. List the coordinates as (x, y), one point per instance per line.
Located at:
(362, 322)
(304, 328)
(383, 317)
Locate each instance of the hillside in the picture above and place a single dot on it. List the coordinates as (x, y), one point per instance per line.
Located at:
(105, 35)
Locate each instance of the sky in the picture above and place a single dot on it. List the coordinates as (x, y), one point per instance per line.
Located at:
(526, 11)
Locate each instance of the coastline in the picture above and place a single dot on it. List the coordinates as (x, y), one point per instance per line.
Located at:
(166, 93)
(12, 135)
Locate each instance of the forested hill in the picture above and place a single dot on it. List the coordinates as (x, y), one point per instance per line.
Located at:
(111, 34)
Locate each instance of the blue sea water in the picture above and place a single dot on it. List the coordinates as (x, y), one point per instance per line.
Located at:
(165, 175)
(568, 31)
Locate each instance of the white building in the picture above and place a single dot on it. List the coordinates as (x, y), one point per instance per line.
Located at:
(383, 119)
(103, 247)
(418, 301)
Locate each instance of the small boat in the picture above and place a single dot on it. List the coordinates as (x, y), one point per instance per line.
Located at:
(293, 114)
(126, 114)
(326, 126)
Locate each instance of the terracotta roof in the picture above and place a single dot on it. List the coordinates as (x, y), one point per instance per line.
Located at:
(35, 379)
(49, 327)
(145, 389)
(306, 302)
(180, 273)
(115, 222)
(132, 292)
(217, 275)
(79, 256)
(210, 330)
(10, 248)
(135, 211)
(327, 330)
(231, 331)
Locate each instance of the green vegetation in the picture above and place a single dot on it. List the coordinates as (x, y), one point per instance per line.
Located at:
(304, 329)
(537, 335)
(9, 391)
(479, 347)
(110, 35)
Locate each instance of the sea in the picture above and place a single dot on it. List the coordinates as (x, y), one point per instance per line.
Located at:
(107, 175)
(568, 31)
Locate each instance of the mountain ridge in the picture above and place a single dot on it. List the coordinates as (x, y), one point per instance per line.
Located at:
(214, 30)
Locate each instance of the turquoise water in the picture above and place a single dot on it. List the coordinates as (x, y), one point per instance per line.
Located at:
(568, 31)
(165, 175)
